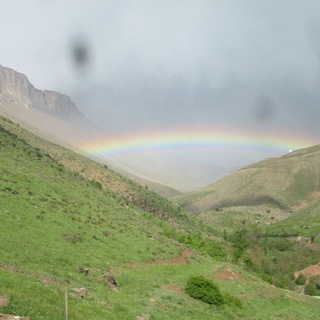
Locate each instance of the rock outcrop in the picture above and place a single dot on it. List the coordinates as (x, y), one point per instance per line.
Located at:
(15, 89)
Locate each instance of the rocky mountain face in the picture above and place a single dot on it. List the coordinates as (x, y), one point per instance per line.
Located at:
(15, 89)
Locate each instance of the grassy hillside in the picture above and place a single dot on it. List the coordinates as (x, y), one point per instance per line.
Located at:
(270, 211)
(61, 229)
(130, 191)
(286, 183)
(304, 222)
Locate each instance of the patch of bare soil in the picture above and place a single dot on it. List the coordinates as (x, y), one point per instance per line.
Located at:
(132, 265)
(175, 288)
(310, 271)
(228, 274)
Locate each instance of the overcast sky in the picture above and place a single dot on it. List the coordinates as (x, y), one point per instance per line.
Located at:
(140, 65)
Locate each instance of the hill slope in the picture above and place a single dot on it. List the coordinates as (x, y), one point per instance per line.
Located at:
(60, 229)
(55, 117)
(116, 183)
(287, 183)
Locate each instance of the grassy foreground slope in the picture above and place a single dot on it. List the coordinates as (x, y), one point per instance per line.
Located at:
(61, 230)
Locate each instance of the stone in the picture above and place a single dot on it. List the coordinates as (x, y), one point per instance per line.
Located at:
(80, 292)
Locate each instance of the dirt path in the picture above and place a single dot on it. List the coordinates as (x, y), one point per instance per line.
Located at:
(182, 259)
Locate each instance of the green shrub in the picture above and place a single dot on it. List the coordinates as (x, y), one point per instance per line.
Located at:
(232, 300)
(203, 289)
(207, 246)
(282, 244)
(240, 243)
(313, 287)
(215, 249)
(300, 280)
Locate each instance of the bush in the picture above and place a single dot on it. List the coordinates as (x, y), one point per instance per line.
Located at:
(300, 280)
(282, 244)
(313, 287)
(232, 300)
(215, 249)
(207, 246)
(203, 289)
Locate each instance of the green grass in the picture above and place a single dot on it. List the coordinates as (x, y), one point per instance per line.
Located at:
(56, 220)
(305, 222)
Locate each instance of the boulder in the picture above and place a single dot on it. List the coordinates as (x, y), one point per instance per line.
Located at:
(80, 292)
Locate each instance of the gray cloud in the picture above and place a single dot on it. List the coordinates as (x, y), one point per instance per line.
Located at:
(250, 64)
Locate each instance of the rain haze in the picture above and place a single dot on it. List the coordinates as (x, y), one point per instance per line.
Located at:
(137, 68)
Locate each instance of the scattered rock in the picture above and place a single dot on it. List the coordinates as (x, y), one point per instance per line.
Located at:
(84, 270)
(4, 301)
(111, 280)
(81, 292)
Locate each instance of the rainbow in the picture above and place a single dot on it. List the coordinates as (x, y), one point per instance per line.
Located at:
(188, 140)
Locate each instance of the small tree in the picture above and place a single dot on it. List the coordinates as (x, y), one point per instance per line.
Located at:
(199, 287)
(300, 280)
(313, 287)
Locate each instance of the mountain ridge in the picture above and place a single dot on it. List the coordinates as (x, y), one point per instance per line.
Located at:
(15, 88)
(287, 182)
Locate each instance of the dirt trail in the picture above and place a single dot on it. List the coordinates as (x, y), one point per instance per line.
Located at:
(182, 259)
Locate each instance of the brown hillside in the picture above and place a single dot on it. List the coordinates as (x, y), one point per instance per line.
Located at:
(288, 182)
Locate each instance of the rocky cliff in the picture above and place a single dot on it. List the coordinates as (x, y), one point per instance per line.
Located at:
(15, 89)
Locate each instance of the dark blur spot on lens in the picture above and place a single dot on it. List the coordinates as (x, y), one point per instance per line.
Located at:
(80, 53)
(264, 110)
